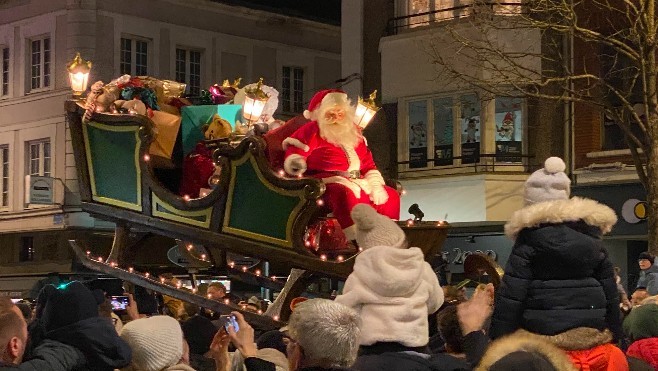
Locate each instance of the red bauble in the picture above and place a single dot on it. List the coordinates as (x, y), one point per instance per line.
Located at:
(325, 235)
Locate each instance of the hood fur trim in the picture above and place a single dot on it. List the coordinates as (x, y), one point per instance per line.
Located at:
(580, 338)
(525, 341)
(559, 211)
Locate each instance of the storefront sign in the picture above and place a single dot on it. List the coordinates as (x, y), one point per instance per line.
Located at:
(506, 151)
(634, 211)
(443, 155)
(40, 190)
(417, 157)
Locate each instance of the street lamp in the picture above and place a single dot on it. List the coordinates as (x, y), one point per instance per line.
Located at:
(366, 110)
(254, 102)
(78, 74)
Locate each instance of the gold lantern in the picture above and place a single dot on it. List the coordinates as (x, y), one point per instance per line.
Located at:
(78, 74)
(254, 102)
(366, 110)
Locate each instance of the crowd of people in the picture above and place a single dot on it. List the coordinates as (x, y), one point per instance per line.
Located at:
(560, 306)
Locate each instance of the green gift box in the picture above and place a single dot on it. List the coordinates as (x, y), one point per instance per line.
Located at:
(194, 117)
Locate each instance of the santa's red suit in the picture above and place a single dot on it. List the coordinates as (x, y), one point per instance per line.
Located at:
(350, 173)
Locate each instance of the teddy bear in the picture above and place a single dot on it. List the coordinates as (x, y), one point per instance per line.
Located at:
(133, 106)
(100, 99)
(217, 128)
(471, 129)
(199, 169)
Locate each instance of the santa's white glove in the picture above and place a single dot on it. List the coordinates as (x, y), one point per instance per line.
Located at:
(294, 165)
(379, 196)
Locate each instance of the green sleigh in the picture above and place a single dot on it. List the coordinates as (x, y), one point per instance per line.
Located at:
(252, 211)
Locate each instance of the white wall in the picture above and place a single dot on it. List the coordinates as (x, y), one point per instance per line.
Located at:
(462, 198)
(407, 68)
(467, 198)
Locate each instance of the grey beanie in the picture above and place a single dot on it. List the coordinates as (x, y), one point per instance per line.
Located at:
(548, 184)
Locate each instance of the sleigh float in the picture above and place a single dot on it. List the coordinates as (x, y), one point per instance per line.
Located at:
(253, 210)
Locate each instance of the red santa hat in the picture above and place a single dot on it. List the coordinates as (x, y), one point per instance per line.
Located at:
(334, 96)
(508, 117)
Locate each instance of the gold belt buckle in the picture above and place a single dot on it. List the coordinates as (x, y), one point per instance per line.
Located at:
(355, 174)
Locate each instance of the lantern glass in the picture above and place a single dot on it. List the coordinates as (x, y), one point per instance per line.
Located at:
(252, 108)
(364, 115)
(79, 81)
(78, 74)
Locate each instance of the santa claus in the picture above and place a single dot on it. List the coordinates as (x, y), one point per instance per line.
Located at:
(331, 147)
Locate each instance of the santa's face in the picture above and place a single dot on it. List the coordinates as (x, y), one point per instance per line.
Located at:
(337, 124)
(334, 115)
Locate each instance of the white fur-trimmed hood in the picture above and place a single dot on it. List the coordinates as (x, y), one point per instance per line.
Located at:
(559, 211)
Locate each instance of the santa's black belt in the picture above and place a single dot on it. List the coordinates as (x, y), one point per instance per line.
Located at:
(354, 174)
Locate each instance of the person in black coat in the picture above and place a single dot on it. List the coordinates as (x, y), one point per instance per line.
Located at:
(69, 315)
(559, 276)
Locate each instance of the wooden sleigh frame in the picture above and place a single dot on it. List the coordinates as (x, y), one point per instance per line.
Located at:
(117, 183)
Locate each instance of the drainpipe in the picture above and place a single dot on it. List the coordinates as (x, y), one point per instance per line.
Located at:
(569, 130)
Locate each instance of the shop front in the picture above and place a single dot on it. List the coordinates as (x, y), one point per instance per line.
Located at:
(629, 236)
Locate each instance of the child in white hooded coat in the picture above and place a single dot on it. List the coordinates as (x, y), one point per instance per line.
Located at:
(392, 287)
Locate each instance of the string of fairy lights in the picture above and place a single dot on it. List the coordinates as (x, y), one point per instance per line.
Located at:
(179, 285)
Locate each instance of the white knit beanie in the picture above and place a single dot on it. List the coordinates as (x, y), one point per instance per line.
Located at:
(549, 183)
(156, 342)
(374, 229)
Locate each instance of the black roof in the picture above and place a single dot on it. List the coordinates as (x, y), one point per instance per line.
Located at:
(325, 11)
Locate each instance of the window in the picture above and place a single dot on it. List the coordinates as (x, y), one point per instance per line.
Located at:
(422, 12)
(38, 157)
(188, 69)
(4, 175)
(509, 129)
(133, 57)
(4, 78)
(292, 92)
(470, 128)
(27, 249)
(614, 137)
(40, 63)
(439, 127)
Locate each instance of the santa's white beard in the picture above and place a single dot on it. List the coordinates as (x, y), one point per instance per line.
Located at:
(343, 133)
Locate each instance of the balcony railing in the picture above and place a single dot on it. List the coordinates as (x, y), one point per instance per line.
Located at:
(482, 163)
(397, 24)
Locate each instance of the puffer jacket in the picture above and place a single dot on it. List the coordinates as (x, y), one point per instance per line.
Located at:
(606, 357)
(50, 356)
(558, 276)
(97, 339)
(645, 349)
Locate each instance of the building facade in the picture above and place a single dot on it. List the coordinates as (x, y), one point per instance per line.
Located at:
(198, 42)
(449, 151)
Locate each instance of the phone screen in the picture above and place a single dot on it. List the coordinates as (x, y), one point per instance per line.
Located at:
(229, 320)
(119, 302)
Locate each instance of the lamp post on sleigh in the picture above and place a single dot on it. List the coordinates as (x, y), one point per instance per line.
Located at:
(79, 70)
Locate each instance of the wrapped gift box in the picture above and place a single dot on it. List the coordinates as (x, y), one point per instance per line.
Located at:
(165, 135)
(194, 117)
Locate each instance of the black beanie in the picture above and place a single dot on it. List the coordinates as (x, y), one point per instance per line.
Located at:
(67, 305)
(199, 332)
(647, 256)
(272, 339)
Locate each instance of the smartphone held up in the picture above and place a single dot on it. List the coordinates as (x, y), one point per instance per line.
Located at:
(119, 303)
(229, 320)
